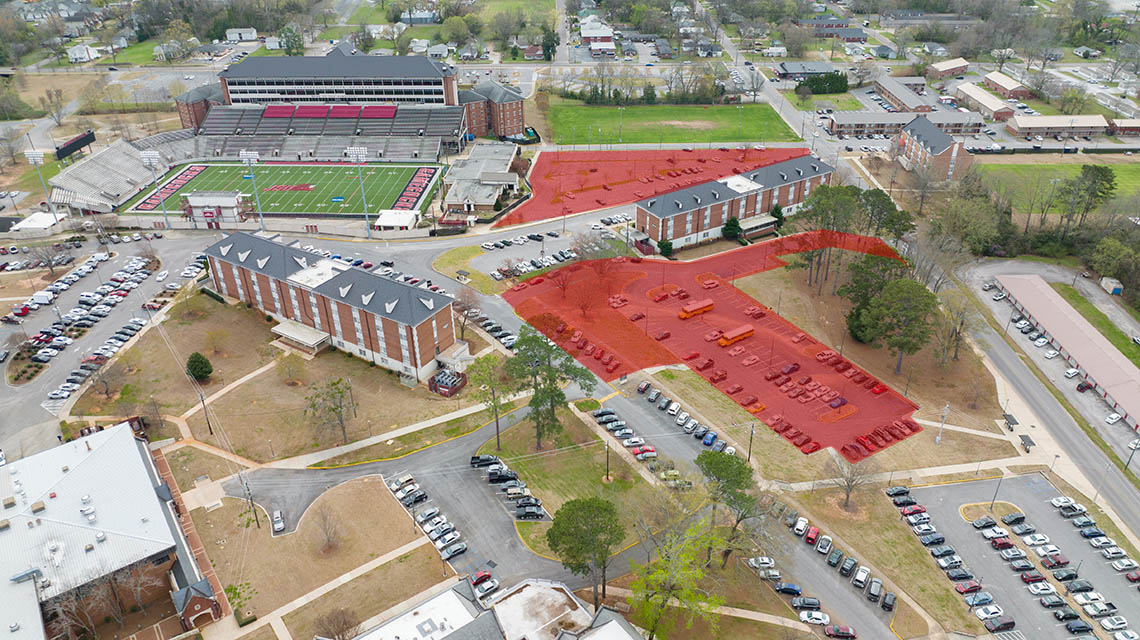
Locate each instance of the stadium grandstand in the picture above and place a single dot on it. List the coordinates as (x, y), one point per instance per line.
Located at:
(101, 181)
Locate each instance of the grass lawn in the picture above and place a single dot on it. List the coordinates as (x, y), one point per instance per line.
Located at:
(741, 589)
(20, 284)
(280, 569)
(368, 13)
(262, 52)
(1096, 318)
(405, 444)
(1070, 262)
(375, 591)
(459, 258)
(727, 628)
(149, 370)
(667, 123)
(299, 188)
(189, 463)
(334, 33)
(892, 548)
(265, 632)
(33, 85)
(265, 419)
(838, 101)
(139, 53)
(541, 11)
(573, 465)
(1023, 178)
(966, 383)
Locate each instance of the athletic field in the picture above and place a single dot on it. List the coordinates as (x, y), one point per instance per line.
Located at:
(293, 188)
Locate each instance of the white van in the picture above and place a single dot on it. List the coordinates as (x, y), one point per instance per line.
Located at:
(515, 493)
(401, 481)
(674, 408)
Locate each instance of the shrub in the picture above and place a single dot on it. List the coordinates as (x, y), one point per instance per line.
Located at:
(198, 366)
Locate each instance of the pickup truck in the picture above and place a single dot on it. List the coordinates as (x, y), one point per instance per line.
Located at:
(1099, 609)
(483, 460)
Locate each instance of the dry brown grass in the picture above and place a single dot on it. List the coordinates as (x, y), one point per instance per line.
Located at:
(189, 463)
(33, 85)
(263, 633)
(707, 249)
(265, 419)
(971, 512)
(22, 284)
(907, 623)
(966, 384)
(375, 591)
(281, 569)
(155, 372)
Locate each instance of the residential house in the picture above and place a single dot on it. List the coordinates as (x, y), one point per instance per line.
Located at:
(957, 66)
(343, 48)
(420, 16)
(697, 213)
(883, 51)
(843, 34)
(419, 46)
(935, 49)
(437, 51)
(707, 48)
(320, 302)
(800, 70)
(81, 53)
(922, 146)
(592, 30)
(664, 49)
(533, 52)
(775, 52)
(470, 51)
(272, 43)
(1086, 52)
(1054, 54)
(241, 34)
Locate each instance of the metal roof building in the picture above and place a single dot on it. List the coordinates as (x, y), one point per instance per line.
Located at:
(1112, 375)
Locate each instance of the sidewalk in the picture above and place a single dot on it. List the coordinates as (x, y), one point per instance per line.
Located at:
(734, 612)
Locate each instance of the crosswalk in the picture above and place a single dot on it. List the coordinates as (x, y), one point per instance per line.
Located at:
(1010, 635)
(53, 406)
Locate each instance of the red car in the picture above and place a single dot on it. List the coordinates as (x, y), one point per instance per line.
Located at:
(735, 351)
(710, 284)
(1133, 576)
(589, 350)
(1055, 561)
(879, 389)
(153, 306)
(661, 335)
(747, 400)
(599, 353)
(1001, 543)
(718, 375)
(791, 368)
(608, 358)
(1029, 577)
(914, 509)
(691, 355)
(812, 535)
(969, 586)
(480, 577)
(733, 389)
(640, 450)
(837, 631)
(21, 310)
(771, 375)
(661, 296)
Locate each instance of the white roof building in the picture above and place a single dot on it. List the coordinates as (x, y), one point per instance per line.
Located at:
(75, 513)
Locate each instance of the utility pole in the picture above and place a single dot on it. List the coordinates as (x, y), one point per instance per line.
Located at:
(607, 461)
(249, 498)
(751, 432)
(945, 410)
(206, 413)
(996, 489)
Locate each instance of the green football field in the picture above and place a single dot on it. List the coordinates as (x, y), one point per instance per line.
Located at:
(295, 188)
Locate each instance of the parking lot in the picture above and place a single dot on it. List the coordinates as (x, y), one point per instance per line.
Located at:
(1031, 494)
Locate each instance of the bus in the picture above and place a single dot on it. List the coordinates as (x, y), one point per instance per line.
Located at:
(736, 335)
(695, 308)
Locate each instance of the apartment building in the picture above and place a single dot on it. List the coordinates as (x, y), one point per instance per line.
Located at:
(856, 123)
(696, 214)
(322, 302)
(921, 145)
(901, 96)
(1006, 86)
(954, 67)
(1049, 126)
(493, 108)
(984, 102)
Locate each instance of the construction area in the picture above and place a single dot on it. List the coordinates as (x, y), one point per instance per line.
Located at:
(658, 312)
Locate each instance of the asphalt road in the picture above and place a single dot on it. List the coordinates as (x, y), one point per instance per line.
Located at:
(23, 403)
(1031, 493)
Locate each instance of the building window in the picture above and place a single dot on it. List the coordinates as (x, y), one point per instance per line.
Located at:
(316, 315)
(404, 346)
(334, 311)
(296, 306)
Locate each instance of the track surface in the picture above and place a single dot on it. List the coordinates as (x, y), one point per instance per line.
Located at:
(569, 182)
(626, 327)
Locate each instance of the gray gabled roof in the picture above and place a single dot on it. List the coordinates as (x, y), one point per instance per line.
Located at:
(484, 627)
(789, 67)
(346, 67)
(467, 96)
(349, 285)
(182, 597)
(497, 93)
(934, 139)
(212, 92)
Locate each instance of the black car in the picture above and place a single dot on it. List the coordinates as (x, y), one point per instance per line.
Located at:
(904, 501)
(848, 566)
(788, 588)
(1065, 613)
(1078, 626)
(528, 501)
(1000, 623)
(942, 551)
(897, 491)
(608, 418)
(1091, 532)
(1023, 529)
(959, 574)
(804, 602)
(889, 602)
(529, 513)
(483, 460)
(984, 522)
(414, 497)
(598, 413)
(700, 432)
(664, 404)
(90, 366)
(835, 557)
(1013, 518)
(1065, 575)
(1052, 601)
(932, 539)
(1079, 586)
(70, 379)
(502, 476)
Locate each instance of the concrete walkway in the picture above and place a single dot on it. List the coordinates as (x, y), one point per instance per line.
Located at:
(229, 387)
(766, 618)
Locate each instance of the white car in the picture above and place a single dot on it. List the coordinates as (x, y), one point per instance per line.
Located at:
(924, 529)
(999, 296)
(1041, 342)
(61, 340)
(1050, 354)
(69, 387)
(1035, 539)
(447, 539)
(161, 276)
(995, 532)
(1112, 553)
(1061, 501)
(406, 490)
(1114, 623)
(761, 562)
(597, 226)
(59, 395)
(1046, 550)
(173, 286)
(988, 611)
(1127, 564)
(1112, 418)
(815, 617)
(1042, 589)
(1088, 598)
(1102, 542)
(1126, 635)
(633, 442)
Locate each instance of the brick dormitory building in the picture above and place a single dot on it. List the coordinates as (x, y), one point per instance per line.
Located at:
(697, 213)
(323, 302)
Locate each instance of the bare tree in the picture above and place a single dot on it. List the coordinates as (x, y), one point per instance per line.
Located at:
(47, 255)
(216, 339)
(111, 379)
(138, 580)
(329, 527)
(73, 610)
(924, 181)
(10, 141)
(849, 477)
(561, 279)
(53, 103)
(291, 369)
(338, 624)
(468, 300)
(584, 300)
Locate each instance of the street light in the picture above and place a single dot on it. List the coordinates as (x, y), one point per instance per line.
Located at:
(945, 410)
(36, 159)
(1134, 445)
(152, 159)
(621, 111)
(359, 155)
(249, 158)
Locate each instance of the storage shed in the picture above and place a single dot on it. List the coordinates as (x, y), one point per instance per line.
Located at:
(1112, 286)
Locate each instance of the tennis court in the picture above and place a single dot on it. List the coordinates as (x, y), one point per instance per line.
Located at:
(300, 188)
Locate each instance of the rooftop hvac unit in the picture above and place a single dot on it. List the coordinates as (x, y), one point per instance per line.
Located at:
(100, 537)
(87, 511)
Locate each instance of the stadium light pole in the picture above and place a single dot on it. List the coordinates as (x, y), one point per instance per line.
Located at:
(36, 159)
(249, 158)
(359, 155)
(151, 159)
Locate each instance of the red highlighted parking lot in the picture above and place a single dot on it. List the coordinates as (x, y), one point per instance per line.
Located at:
(621, 315)
(569, 182)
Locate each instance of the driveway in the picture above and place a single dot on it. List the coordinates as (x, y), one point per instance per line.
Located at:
(1031, 493)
